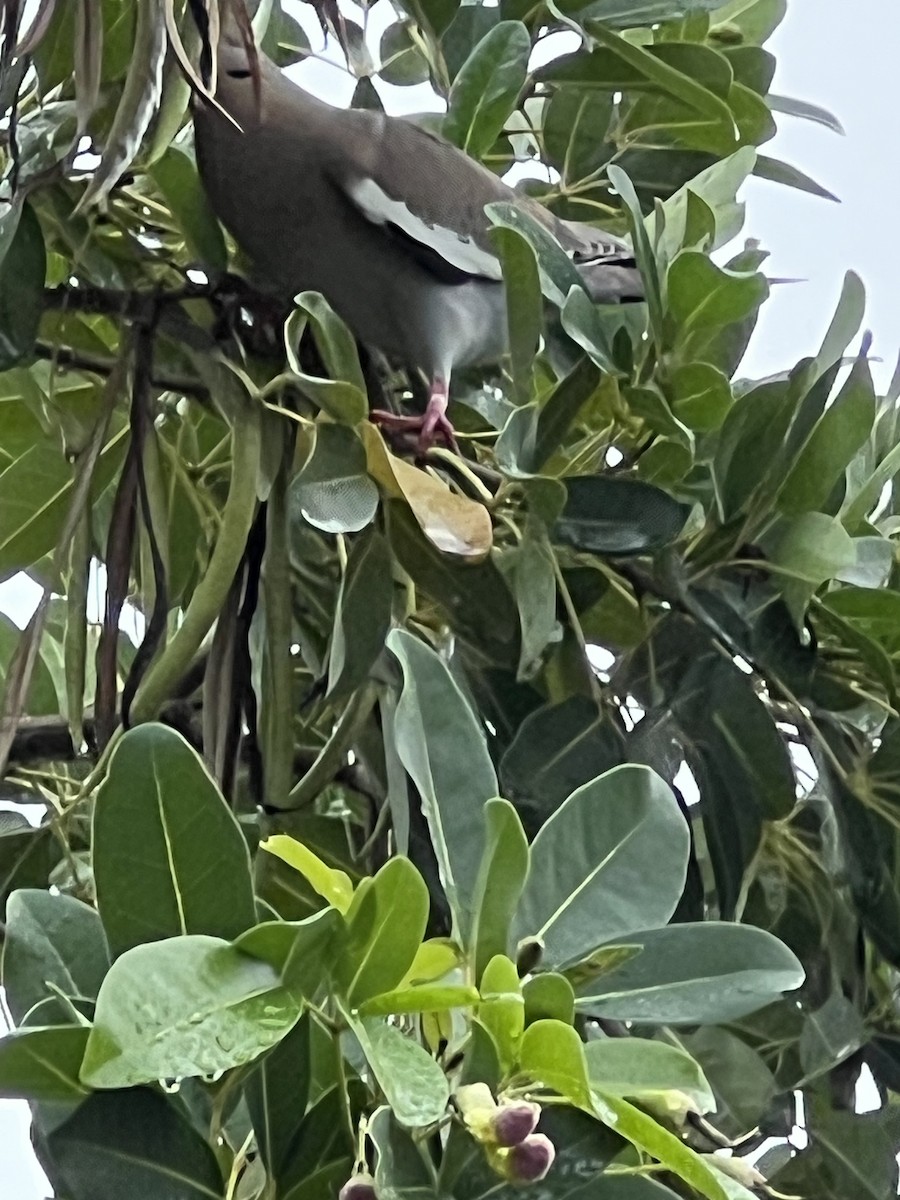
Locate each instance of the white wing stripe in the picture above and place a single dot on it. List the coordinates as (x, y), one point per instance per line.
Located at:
(379, 208)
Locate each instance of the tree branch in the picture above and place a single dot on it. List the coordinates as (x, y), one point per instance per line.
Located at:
(65, 356)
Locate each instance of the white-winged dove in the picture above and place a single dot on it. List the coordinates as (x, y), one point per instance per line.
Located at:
(383, 218)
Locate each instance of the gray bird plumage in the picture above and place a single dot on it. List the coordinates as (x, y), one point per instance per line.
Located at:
(383, 218)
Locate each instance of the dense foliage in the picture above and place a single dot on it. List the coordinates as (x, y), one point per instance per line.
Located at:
(276, 925)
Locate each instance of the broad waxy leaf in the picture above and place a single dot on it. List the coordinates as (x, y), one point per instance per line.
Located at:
(51, 940)
(332, 491)
(588, 881)
(413, 1083)
(169, 857)
(485, 90)
(133, 1143)
(641, 1070)
(43, 1064)
(445, 754)
(185, 1006)
(695, 974)
(501, 878)
(385, 926)
(618, 516)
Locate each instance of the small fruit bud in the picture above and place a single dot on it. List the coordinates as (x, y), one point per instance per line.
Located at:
(477, 1108)
(514, 1121)
(359, 1187)
(530, 1160)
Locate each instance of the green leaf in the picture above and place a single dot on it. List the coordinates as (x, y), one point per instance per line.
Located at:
(548, 996)
(385, 926)
(332, 885)
(424, 998)
(558, 273)
(332, 491)
(531, 570)
(43, 1064)
(644, 1133)
(277, 1093)
(51, 940)
(813, 547)
(717, 186)
(557, 748)
(524, 306)
(582, 321)
(186, 1006)
(643, 252)
(803, 108)
(588, 882)
(501, 878)
(845, 323)
(781, 172)
(502, 1008)
(413, 1084)
(363, 615)
(403, 62)
(830, 1035)
(702, 295)
(754, 21)
(575, 120)
(842, 430)
(285, 39)
(618, 516)
(702, 396)
(695, 974)
(168, 855)
(343, 395)
(640, 1070)
(403, 1168)
(138, 101)
(175, 174)
(302, 952)
(443, 749)
(485, 91)
(22, 272)
(133, 1143)
(551, 1052)
(561, 408)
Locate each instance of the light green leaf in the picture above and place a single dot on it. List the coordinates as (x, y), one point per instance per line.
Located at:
(524, 306)
(385, 926)
(702, 295)
(332, 885)
(186, 1006)
(551, 1052)
(813, 547)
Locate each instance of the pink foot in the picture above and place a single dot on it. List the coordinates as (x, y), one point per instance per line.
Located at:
(432, 426)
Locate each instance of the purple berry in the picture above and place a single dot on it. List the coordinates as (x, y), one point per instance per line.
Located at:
(531, 1159)
(514, 1121)
(359, 1187)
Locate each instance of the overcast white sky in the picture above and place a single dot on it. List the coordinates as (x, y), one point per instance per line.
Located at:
(845, 57)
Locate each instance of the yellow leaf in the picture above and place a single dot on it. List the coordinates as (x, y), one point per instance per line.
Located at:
(334, 886)
(453, 523)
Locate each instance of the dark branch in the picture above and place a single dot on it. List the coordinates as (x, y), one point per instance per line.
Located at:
(65, 356)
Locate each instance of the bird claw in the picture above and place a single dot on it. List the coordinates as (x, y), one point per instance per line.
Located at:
(432, 427)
